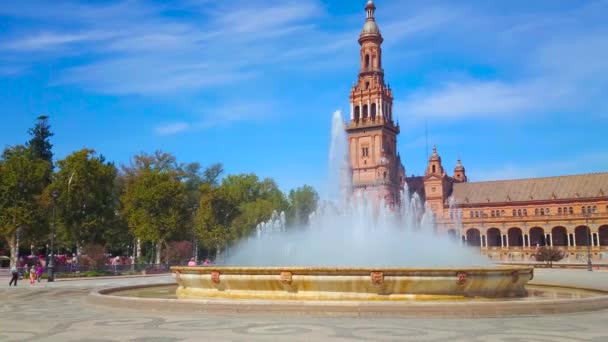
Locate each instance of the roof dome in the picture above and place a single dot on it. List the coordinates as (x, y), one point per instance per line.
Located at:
(370, 27)
(435, 155)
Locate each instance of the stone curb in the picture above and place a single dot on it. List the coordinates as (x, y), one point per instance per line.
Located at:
(112, 277)
(350, 309)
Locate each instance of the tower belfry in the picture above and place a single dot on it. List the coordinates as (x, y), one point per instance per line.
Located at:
(372, 132)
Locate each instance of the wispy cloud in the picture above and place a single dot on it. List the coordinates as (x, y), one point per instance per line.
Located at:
(594, 162)
(172, 128)
(228, 114)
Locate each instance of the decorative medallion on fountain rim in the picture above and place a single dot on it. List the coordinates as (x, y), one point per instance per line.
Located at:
(461, 278)
(377, 278)
(215, 277)
(286, 278)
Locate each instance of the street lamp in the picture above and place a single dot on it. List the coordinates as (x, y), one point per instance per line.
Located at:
(194, 238)
(51, 273)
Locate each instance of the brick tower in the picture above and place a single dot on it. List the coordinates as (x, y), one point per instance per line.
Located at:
(372, 133)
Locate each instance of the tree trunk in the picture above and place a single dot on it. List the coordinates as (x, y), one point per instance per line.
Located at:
(12, 244)
(32, 249)
(138, 250)
(159, 247)
(166, 253)
(218, 252)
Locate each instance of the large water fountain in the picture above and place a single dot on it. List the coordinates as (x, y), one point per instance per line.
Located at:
(353, 248)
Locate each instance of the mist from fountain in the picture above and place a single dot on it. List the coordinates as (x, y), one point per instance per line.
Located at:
(351, 230)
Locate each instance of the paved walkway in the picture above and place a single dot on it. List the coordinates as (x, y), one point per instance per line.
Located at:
(58, 312)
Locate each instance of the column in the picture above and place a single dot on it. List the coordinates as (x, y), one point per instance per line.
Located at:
(573, 240)
(549, 239)
(484, 241)
(595, 238)
(526, 240)
(381, 108)
(352, 111)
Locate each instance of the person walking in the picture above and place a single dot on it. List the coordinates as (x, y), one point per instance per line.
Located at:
(15, 275)
(191, 263)
(32, 275)
(39, 272)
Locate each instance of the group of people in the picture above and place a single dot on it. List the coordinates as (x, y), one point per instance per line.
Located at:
(35, 273)
(192, 262)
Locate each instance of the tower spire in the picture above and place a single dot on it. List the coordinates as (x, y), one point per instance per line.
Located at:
(370, 8)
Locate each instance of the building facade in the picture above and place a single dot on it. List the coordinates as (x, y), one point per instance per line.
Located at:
(507, 220)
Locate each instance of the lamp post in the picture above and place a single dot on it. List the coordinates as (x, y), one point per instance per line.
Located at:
(589, 240)
(194, 238)
(51, 274)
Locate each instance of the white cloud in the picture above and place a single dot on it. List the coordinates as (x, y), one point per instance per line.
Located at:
(594, 162)
(172, 128)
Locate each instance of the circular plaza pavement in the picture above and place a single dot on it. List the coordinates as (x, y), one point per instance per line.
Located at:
(61, 311)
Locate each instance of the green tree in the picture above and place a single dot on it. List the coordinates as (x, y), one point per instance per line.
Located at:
(232, 210)
(212, 174)
(22, 182)
(155, 201)
(86, 205)
(549, 255)
(214, 218)
(302, 202)
(39, 144)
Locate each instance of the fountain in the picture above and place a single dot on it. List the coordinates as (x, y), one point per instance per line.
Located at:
(353, 248)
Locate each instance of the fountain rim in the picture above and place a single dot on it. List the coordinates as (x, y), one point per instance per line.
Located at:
(346, 270)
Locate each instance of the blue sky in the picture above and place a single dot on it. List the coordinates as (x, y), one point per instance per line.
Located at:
(515, 88)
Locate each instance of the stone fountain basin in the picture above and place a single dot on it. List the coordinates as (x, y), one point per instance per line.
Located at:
(321, 283)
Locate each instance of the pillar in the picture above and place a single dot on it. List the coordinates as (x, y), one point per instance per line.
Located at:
(573, 240)
(484, 241)
(549, 240)
(352, 111)
(381, 108)
(526, 240)
(595, 239)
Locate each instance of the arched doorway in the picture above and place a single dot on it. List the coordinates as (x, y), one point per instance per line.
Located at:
(537, 237)
(493, 237)
(581, 236)
(473, 237)
(515, 237)
(559, 236)
(603, 235)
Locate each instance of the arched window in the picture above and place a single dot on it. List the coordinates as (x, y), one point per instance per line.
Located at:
(434, 169)
(357, 113)
(384, 174)
(525, 212)
(514, 212)
(366, 61)
(559, 211)
(584, 210)
(518, 212)
(594, 210)
(492, 213)
(365, 112)
(373, 111)
(471, 214)
(548, 211)
(502, 213)
(536, 211)
(571, 211)
(542, 212)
